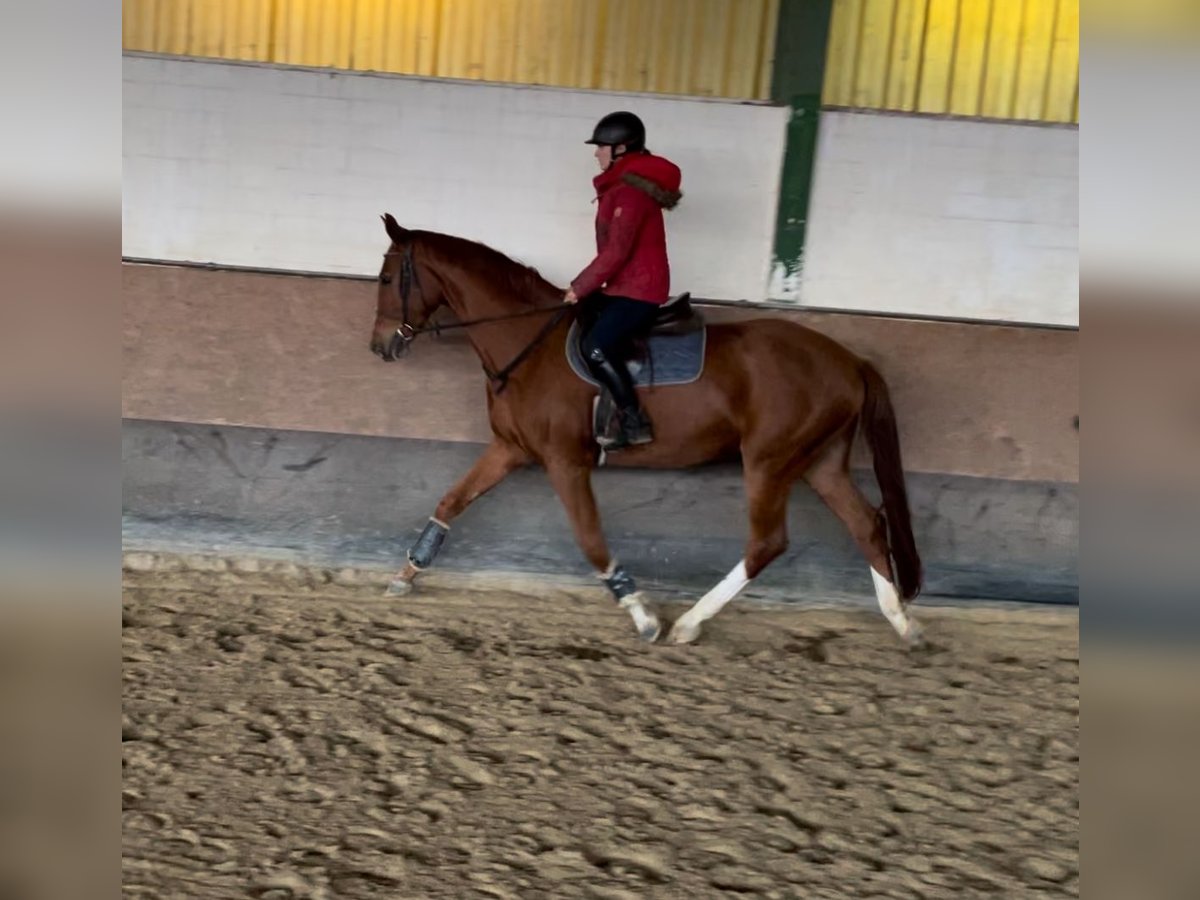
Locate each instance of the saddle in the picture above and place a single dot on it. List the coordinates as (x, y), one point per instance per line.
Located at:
(676, 317)
(670, 352)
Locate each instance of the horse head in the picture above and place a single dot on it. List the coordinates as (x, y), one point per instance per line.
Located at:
(410, 291)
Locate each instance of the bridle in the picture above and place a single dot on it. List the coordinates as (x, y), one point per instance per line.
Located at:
(406, 332)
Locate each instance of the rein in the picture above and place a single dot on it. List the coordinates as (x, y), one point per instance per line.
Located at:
(406, 333)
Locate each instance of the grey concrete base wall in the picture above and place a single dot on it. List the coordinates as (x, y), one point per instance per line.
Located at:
(335, 499)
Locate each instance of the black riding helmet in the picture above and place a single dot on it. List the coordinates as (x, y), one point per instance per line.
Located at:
(620, 128)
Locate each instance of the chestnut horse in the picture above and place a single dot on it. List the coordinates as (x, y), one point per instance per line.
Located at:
(785, 399)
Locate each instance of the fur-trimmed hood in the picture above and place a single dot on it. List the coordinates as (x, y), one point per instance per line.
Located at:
(656, 176)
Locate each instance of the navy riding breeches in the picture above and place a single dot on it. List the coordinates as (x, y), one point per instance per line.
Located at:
(612, 323)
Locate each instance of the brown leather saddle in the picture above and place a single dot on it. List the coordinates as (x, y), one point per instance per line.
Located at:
(676, 317)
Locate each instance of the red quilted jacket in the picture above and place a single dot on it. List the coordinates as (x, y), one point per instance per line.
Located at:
(631, 238)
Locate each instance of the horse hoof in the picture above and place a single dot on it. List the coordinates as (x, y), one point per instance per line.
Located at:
(915, 636)
(399, 587)
(683, 632)
(649, 631)
(402, 581)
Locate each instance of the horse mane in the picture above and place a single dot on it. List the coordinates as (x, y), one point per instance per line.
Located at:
(525, 282)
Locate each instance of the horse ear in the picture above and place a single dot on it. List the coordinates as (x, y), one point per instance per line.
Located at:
(394, 230)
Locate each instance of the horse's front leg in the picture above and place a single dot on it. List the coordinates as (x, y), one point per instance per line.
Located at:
(498, 460)
(573, 484)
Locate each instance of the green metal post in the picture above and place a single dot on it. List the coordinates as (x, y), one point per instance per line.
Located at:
(798, 73)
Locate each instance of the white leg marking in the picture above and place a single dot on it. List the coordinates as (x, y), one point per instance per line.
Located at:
(687, 626)
(893, 610)
(712, 602)
(644, 621)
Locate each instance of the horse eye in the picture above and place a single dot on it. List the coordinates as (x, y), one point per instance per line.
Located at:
(385, 279)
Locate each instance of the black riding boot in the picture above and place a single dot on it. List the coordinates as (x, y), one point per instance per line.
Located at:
(633, 424)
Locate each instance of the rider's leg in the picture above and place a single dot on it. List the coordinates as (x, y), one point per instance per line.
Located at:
(604, 348)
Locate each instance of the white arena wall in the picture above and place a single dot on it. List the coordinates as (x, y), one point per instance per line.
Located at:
(279, 168)
(971, 219)
(249, 165)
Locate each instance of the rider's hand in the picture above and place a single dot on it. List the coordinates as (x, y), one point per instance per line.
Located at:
(569, 297)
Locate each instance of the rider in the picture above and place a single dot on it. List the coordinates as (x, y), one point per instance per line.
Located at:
(629, 279)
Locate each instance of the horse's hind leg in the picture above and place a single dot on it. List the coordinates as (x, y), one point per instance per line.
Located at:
(498, 460)
(767, 497)
(830, 478)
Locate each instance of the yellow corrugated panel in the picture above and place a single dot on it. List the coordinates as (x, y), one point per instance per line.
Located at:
(478, 40)
(768, 37)
(390, 36)
(1004, 43)
(706, 24)
(678, 69)
(251, 32)
(970, 56)
(842, 50)
(538, 42)
(369, 43)
(230, 29)
(450, 40)
(622, 64)
(460, 39)
(749, 44)
(904, 65)
(419, 32)
(139, 23)
(1063, 88)
(206, 32)
(1033, 65)
(172, 28)
(996, 58)
(870, 72)
(314, 32)
(575, 31)
(719, 48)
(502, 24)
(941, 32)
(662, 68)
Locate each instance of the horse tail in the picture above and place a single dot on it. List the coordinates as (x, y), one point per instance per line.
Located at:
(879, 427)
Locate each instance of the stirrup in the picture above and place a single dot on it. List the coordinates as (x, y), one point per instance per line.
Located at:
(636, 428)
(633, 430)
(609, 424)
